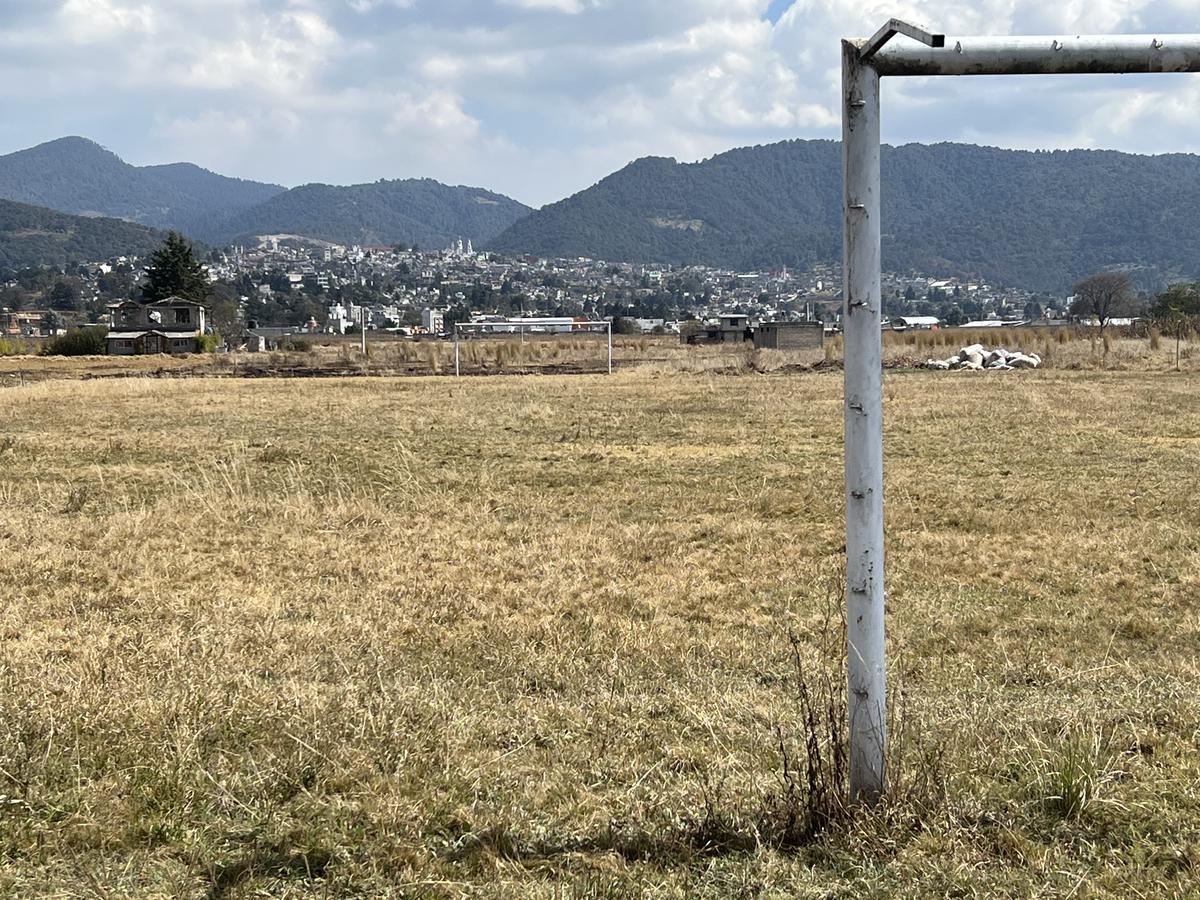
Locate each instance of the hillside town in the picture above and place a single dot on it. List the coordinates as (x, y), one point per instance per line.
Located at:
(285, 287)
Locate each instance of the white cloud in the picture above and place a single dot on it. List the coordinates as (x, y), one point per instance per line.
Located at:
(564, 6)
(537, 98)
(435, 116)
(367, 6)
(96, 21)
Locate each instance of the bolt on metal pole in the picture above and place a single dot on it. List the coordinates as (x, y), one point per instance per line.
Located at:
(861, 288)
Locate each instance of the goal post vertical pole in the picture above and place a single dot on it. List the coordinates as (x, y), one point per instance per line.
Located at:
(457, 373)
(610, 348)
(866, 670)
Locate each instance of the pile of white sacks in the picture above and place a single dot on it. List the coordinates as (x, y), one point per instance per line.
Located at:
(979, 357)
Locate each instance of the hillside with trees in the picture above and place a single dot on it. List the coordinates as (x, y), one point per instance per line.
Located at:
(1041, 220)
(415, 211)
(33, 236)
(78, 176)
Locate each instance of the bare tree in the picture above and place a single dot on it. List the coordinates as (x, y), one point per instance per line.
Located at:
(1103, 297)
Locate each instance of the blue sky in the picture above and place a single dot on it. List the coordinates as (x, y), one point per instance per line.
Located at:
(536, 98)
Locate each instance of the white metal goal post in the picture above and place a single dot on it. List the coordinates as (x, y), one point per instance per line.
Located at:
(543, 327)
(864, 62)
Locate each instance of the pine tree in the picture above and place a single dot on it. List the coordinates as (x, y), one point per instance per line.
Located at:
(175, 272)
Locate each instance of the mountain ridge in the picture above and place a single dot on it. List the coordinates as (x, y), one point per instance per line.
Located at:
(418, 211)
(77, 176)
(1035, 218)
(1040, 219)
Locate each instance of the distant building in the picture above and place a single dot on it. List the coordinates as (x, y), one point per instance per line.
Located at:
(528, 324)
(433, 320)
(648, 326)
(916, 323)
(994, 323)
(790, 336)
(729, 329)
(165, 326)
(338, 318)
(23, 322)
(268, 338)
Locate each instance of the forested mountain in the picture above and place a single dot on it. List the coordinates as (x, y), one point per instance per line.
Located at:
(421, 212)
(78, 176)
(1036, 219)
(75, 175)
(33, 236)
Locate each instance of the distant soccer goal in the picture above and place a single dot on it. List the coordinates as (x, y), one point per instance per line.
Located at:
(488, 345)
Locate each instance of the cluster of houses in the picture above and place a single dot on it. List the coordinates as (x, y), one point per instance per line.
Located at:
(173, 325)
(176, 325)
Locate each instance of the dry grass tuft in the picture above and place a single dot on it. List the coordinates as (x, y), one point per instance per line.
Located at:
(1070, 773)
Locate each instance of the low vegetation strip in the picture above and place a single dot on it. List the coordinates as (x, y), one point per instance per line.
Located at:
(547, 637)
(327, 356)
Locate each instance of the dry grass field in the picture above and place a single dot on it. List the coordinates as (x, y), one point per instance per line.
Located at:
(572, 637)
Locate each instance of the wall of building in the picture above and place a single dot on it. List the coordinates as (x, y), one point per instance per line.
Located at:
(789, 336)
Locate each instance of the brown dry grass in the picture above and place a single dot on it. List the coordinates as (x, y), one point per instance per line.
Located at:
(577, 354)
(329, 356)
(540, 637)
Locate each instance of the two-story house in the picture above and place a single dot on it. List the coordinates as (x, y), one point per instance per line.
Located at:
(164, 326)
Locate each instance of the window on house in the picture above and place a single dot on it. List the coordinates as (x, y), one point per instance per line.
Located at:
(183, 316)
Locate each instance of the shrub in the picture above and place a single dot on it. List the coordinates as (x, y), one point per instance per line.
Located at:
(9, 348)
(78, 342)
(296, 345)
(208, 343)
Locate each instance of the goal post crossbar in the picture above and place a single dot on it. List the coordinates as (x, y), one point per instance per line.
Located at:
(549, 327)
